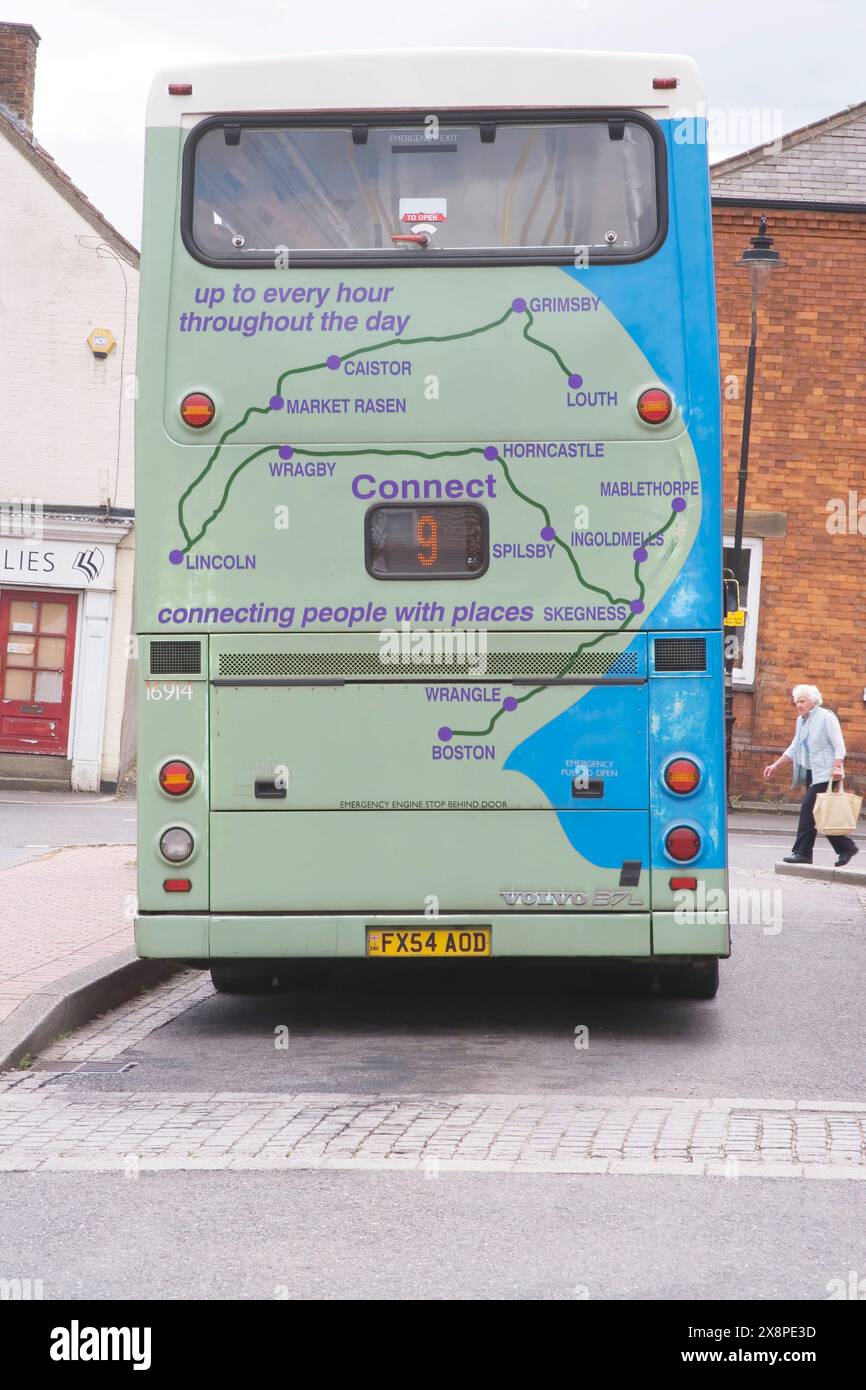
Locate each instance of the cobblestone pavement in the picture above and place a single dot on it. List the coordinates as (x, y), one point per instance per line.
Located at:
(109, 1035)
(46, 1126)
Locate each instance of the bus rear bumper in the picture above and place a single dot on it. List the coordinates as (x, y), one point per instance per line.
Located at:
(266, 936)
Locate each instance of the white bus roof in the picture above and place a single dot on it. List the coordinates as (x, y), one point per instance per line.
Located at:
(428, 80)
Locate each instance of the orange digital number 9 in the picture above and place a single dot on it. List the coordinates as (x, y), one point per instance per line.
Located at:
(426, 532)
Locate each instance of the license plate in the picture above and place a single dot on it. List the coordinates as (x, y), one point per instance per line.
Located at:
(444, 943)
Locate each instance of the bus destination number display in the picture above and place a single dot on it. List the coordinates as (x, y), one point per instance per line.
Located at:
(420, 542)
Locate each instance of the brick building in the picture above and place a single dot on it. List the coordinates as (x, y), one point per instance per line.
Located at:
(68, 305)
(805, 531)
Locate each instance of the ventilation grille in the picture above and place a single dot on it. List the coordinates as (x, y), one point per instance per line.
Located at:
(175, 658)
(502, 664)
(681, 653)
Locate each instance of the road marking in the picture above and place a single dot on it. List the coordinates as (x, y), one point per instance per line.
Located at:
(764, 843)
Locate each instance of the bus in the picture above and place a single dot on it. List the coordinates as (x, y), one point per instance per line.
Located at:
(429, 597)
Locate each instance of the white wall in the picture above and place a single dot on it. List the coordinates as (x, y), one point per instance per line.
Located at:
(66, 417)
(58, 404)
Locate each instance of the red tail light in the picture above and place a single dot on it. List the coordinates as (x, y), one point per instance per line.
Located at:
(682, 843)
(682, 776)
(663, 84)
(197, 410)
(180, 89)
(654, 406)
(177, 885)
(683, 883)
(176, 778)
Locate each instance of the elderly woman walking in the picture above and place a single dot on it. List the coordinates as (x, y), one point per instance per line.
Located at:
(818, 753)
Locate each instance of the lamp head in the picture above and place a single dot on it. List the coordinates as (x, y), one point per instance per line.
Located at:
(760, 259)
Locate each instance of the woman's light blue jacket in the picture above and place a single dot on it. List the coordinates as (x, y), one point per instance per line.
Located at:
(818, 730)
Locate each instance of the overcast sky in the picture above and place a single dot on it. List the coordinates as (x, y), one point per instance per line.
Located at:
(793, 61)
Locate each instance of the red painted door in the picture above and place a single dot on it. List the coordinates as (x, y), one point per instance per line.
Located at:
(37, 644)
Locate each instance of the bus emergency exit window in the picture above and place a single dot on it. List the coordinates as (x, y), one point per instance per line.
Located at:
(514, 186)
(446, 541)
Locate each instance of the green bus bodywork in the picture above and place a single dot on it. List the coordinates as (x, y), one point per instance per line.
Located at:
(344, 778)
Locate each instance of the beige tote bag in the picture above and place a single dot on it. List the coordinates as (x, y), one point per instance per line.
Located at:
(836, 812)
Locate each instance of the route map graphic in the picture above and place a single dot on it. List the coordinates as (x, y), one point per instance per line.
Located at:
(489, 452)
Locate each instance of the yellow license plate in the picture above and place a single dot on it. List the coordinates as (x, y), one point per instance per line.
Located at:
(445, 943)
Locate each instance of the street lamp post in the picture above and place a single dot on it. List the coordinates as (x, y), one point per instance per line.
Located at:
(760, 260)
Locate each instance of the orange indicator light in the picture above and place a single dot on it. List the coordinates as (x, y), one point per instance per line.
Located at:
(176, 778)
(682, 776)
(197, 410)
(654, 406)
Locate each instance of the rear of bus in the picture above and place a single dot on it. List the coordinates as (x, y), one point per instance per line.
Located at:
(429, 515)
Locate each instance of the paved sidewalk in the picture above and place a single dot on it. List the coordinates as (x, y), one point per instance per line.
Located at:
(61, 913)
(67, 951)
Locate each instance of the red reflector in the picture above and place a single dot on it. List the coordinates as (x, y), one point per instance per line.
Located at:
(654, 406)
(683, 843)
(176, 778)
(683, 883)
(682, 776)
(197, 409)
(177, 885)
(180, 89)
(663, 84)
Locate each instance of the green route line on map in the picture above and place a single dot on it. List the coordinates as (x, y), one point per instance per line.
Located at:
(651, 537)
(556, 539)
(318, 366)
(323, 453)
(536, 690)
(538, 343)
(315, 367)
(421, 454)
(518, 306)
(463, 453)
(572, 660)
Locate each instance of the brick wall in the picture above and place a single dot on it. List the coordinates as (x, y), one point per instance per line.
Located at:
(808, 446)
(18, 44)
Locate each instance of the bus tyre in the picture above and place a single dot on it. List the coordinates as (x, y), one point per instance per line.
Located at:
(239, 979)
(256, 977)
(697, 980)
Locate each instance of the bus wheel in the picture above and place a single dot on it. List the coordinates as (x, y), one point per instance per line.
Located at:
(256, 977)
(240, 979)
(697, 980)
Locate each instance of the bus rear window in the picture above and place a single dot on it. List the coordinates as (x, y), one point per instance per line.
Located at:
(425, 191)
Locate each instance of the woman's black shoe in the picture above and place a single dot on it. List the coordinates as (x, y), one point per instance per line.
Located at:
(796, 859)
(844, 858)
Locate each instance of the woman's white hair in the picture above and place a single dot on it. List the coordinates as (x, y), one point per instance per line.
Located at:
(807, 692)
